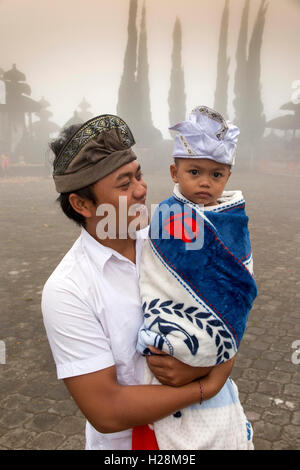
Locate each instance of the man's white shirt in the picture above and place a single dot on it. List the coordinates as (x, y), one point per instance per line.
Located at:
(92, 313)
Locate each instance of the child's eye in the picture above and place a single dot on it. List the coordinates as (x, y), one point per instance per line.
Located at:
(217, 174)
(194, 172)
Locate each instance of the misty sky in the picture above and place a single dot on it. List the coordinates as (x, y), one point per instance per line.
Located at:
(70, 49)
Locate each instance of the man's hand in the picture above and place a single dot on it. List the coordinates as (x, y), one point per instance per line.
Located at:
(170, 371)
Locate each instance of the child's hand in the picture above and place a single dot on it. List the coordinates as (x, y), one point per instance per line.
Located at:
(170, 371)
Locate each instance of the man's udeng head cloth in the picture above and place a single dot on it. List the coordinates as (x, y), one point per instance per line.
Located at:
(206, 134)
(101, 146)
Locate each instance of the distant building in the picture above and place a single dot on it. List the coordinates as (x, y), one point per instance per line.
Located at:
(42, 131)
(80, 115)
(16, 113)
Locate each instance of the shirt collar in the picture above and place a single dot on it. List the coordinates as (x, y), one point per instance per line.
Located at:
(97, 252)
(100, 254)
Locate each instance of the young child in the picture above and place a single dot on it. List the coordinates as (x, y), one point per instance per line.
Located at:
(196, 281)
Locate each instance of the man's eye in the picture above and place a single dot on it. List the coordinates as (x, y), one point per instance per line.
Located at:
(125, 185)
(139, 176)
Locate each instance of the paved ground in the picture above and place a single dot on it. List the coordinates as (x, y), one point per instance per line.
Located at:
(35, 409)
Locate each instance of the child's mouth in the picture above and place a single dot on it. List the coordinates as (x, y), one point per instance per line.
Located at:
(204, 195)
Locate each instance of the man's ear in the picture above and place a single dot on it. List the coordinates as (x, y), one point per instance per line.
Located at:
(82, 206)
(173, 172)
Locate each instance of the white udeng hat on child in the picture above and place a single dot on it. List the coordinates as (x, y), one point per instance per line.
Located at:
(206, 135)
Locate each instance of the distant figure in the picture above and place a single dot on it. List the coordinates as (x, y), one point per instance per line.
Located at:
(4, 164)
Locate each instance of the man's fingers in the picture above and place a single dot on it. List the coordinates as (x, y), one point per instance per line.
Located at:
(162, 360)
(156, 362)
(157, 351)
(162, 380)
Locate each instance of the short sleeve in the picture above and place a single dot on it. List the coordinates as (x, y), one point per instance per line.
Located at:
(76, 337)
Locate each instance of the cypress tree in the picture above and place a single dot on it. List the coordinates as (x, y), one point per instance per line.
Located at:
(127, 90)
(142, 80)
(256, 115)
(146, 133)
(177, 96)
(240, 84)
(248, 103)
(221, 93)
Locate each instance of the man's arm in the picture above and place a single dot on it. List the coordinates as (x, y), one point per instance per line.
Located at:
(85, 361)
(111, 407)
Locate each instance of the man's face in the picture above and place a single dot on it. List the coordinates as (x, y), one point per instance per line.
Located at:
(201, 180)
(124, 187)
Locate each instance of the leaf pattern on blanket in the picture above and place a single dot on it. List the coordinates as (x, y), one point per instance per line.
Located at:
(203, 320)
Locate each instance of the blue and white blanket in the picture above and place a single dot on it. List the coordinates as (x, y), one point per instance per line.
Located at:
(197, 289)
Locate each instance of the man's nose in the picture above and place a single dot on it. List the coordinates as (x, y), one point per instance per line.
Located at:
(140, 190)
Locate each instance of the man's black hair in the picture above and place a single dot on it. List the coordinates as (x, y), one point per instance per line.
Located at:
(86, 193)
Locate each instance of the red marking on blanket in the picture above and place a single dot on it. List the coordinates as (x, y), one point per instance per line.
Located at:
(179, 226)
(244, 257)
(143, 438)
(234, 207)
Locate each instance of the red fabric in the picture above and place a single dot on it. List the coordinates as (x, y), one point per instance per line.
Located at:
(143, 438)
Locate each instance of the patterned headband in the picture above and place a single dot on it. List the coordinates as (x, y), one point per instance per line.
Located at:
(88, 131)
(215, 116)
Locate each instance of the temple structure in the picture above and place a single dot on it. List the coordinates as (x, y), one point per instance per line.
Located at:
(16, 113)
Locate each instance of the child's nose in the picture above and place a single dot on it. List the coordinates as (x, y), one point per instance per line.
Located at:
(204, 181)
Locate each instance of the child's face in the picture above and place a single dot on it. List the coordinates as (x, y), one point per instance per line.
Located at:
(199, 176)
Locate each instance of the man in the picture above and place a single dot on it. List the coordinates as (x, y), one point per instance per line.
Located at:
(91, 304)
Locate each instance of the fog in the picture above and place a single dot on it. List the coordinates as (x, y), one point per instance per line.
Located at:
(73, 50)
